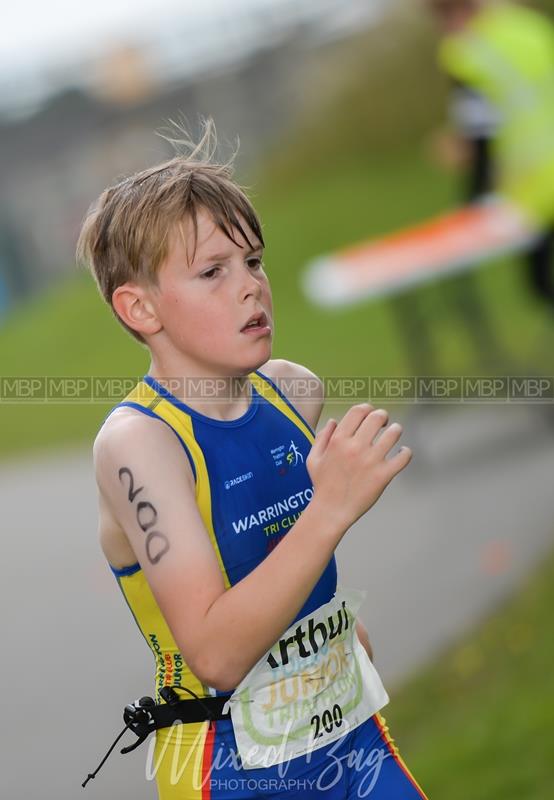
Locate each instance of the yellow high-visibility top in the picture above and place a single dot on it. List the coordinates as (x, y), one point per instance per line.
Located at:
(507, 54)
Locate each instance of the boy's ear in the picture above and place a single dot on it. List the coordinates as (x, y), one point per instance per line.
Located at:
(133, 306)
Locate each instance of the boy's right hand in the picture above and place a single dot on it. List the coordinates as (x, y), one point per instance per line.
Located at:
(348, 465)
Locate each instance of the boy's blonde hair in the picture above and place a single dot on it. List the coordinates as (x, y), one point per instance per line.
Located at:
(125, 234)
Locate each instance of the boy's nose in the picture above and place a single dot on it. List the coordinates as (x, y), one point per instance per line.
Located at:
(250, 284)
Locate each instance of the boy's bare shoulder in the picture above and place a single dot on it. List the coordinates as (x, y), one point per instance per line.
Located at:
(282, 368)
(300, 385)
(122, 425)
(129, 432)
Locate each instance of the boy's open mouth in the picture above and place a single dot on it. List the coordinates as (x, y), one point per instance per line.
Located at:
(256, 322)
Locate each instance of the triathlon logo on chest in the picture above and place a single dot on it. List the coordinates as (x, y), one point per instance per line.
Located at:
(285, 456)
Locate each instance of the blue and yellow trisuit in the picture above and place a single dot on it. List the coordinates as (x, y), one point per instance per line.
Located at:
(251, 486)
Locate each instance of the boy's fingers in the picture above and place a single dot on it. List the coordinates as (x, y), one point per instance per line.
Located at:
(398, 462)
(388, 439)
(354, 417)
(372, 424)
(322, 438)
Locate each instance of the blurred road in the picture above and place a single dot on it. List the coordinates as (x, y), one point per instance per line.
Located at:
(471, 516)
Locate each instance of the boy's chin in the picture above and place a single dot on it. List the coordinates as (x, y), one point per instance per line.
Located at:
(251, 366)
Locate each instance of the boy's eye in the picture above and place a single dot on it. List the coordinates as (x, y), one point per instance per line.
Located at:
(254, 262)
(210, 273)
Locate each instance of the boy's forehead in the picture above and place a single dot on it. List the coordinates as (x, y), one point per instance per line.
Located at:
(208, 237)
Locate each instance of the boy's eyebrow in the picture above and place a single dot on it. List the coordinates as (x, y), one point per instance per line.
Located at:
(251, 250)
(222, 256)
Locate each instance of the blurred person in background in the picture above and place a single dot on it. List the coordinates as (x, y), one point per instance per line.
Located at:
(499, 57)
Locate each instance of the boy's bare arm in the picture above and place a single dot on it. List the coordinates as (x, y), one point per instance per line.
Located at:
(306, 392)
(148, 484)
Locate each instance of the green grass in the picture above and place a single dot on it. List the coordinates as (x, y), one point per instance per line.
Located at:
(70, 332)
(478, 724)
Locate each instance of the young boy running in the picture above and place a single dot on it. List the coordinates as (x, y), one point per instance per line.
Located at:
(220, 514)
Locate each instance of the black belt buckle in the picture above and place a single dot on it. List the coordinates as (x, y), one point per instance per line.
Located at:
(140, 720)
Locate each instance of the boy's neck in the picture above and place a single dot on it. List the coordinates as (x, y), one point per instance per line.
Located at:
(224, 398)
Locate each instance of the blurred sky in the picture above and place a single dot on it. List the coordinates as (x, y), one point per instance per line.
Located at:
(46, 46)
(38, 33)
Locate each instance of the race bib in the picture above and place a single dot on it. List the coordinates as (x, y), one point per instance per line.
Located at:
(315, 685)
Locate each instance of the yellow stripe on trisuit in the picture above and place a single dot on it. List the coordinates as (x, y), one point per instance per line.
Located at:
(268, 393)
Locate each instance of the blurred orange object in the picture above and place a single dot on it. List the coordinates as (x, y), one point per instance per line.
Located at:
(453, 242)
